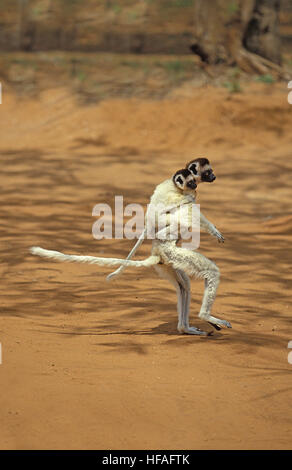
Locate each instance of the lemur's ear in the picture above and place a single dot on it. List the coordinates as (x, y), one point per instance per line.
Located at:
(179, 178)
(192, 167)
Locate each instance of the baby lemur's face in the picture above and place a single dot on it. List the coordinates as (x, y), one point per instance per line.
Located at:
(201, 169)
(184, 180)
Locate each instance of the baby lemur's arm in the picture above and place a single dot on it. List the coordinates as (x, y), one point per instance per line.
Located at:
(210, 228)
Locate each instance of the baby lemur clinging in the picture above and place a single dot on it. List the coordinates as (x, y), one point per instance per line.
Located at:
(171, 261)
(176, 191)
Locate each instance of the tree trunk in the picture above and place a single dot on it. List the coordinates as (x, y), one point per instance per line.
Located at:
(242, 32)
(261, 35)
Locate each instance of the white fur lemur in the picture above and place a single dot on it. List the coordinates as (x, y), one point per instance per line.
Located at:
(180, 263)
(177, 263)
(170, 261)
(178, 190)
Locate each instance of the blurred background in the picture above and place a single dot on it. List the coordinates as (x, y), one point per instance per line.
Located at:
(142, 48)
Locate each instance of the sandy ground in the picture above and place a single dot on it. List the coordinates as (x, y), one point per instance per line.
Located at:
(88, 364)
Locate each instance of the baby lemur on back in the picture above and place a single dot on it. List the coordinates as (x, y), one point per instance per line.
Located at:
(171, 261)
(178, 263)
(176, 191)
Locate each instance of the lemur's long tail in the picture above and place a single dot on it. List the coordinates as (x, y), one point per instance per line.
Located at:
(150, 261)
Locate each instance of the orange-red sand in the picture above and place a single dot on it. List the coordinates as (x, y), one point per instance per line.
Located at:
(89, 364)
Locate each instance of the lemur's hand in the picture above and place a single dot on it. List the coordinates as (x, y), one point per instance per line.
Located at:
(218, 235)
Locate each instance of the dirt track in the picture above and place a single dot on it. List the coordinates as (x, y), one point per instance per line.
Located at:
(88, 364)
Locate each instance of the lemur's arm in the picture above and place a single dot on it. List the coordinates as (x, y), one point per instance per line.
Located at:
(151, 210)
(210, 228)
(118, 271)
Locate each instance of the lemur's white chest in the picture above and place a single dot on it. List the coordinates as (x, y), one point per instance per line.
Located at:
(163, 209)
(168, 194)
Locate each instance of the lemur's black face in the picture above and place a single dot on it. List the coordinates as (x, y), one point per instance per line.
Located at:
(208, 176)
(183, 179)
(201, 170)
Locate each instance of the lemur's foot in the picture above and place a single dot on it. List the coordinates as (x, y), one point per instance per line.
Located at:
(218, 235)
(191, 330)
(218, 328)
(220, 238)
(217, 323)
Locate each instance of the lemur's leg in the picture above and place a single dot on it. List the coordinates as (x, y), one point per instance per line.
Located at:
(182, 285)
(211, 285)
(196, 264)
(183, 279)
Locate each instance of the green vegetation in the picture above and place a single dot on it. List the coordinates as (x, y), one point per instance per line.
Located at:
(117, 8)
(69, 3)
(132, 16)
(288, 61)
(81, 76)
(182, 3)
(233, 85)
(267, 78)
(131, 63)
(36, 11)
(232, 8)
(25, 62)
(175, 67)
(176, 3)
